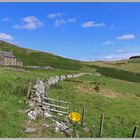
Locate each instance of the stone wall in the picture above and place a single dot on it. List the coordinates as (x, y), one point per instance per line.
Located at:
(35, 99)
(38, 90)
(40, 67)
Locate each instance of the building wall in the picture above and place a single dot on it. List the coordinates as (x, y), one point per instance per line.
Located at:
(5, 61)
(13, 61)
(9, 61)
(19, 63)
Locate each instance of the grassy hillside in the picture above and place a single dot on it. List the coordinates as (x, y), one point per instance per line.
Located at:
(118, 99)
(37, 58)
(132, 65)
(118, 96)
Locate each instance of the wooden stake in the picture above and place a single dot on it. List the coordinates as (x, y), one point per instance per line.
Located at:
(29, 90)
(52, 99)
(59, 102)
(53, 105)
(134, 132)
(101, 125)
(83, 117)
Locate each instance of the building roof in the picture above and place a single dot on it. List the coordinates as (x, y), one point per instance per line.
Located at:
(7, 54)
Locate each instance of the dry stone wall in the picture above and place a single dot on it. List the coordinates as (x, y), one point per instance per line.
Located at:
(39, 90)
(40, 67)
(36, 98)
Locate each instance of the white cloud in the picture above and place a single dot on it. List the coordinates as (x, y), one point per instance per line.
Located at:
(119, 56)
(126, 37)
(59, 22)
(56, 15)
(72, 20)
(29, 23)
(108, 42)
(5, 36)
(112, 57)
(92, 24)
(120, 51)
(5, 19)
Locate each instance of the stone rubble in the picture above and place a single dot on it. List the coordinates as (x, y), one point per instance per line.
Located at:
(32, 115)
(36, 129)
(47, 115)
(30, 130)
(40, 67)
(61, 126)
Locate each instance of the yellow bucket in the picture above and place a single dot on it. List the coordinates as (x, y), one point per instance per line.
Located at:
(74, 116)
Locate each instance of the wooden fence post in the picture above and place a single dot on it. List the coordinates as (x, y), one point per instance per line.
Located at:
(59, 101)
(83, 117)
(134, 132)
(101, 125)
(29, 90)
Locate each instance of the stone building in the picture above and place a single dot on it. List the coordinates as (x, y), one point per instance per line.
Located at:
(7, 58)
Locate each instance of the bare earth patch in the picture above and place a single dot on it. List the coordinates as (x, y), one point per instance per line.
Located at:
(88, 89)
(110, 94)
(84, 89)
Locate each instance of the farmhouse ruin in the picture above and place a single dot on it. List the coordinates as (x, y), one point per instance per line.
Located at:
(8, 58)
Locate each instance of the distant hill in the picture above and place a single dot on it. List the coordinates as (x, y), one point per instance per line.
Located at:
(131, 65)
(38, 58)
(135, 57)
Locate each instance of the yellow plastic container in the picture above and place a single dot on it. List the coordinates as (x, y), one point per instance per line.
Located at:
(74, 116)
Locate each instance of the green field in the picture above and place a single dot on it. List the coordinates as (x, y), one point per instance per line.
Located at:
(13, 91)
(118, 97)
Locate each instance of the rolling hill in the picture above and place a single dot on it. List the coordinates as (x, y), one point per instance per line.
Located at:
(135, 57)
(130, 65)
(118, 96)
(38, 58)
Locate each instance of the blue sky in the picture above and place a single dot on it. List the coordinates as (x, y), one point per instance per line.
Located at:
(83, 31)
